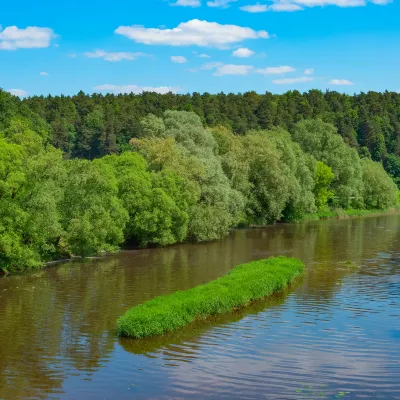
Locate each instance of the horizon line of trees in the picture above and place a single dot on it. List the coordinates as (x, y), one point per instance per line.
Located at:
(174, 181)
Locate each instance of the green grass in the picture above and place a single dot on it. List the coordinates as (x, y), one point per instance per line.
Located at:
(245, 283)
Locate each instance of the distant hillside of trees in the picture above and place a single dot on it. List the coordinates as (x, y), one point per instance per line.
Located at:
(92, 126)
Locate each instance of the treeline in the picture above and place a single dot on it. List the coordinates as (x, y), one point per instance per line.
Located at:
(176, 181)
(93, 126)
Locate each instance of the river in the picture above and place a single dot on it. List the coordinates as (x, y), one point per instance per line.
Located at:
(335, 334)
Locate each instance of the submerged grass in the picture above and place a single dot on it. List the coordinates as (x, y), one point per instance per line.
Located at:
(245, 283)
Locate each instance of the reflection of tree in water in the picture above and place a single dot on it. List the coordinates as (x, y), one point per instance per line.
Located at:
(56, 321)
(62, 320)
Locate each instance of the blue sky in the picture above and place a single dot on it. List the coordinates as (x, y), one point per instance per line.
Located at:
(199, 45)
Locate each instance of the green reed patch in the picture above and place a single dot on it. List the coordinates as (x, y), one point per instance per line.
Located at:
(245, 283)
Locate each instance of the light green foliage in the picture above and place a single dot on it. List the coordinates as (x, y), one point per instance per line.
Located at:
(190, 152)
(152, 127)
(245, 283)
(269, 177)
(299, 175)
(322, 141)
(323, 177)
(186, 128)
(271, 172)
(157, 203)
(93, 216)
(379, 189)
(29, 193)
(234, 159)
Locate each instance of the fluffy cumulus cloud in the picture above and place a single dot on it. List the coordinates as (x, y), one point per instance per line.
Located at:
(220, 3)
(243, 52)
(291, 81)
(194, 32)
(230, 69)
(114, 56)
(187, 3)
(340, 82)
(283, 69)
(18, 92)
(136, 89)
(44, 74)
(178, 59)
(13, 38)
(308, 71)
(204, 55)
(297, 5)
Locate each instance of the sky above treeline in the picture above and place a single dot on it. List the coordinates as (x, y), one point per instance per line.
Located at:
(52, 47)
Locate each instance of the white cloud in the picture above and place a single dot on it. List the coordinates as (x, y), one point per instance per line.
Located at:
(72, 55)
(340, 82)
(243, 52)
(308, 71)
(283, 69)
(136, 89)
(187, 3)
(220, 3)
(12, 38)
(114, 56)
(288, 7)
(207, 66)
(194, 32)
(290, 81)
(18, 92)
(231, 69)
(204, 56)
(211, 65)
(178, 59)
(381, 2)
(255, 8)
(339, 3)
(44, 74)
(298, 5)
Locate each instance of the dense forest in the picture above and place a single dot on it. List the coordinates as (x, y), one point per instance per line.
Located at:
(81, 175)
(92, 126)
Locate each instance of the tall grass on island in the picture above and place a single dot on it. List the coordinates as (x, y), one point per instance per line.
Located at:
(245, 283)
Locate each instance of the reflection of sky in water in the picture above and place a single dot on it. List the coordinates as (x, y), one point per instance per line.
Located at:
(337, 333)
(346, 345)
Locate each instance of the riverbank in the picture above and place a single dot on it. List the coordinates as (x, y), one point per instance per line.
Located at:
(244, 284)
(321, 215)
(347, 213)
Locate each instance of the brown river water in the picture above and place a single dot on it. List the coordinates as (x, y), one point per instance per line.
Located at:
(334, 335)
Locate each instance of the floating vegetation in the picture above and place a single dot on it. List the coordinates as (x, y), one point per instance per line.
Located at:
(244, 284)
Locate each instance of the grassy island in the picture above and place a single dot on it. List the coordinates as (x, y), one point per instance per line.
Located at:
(245, 283)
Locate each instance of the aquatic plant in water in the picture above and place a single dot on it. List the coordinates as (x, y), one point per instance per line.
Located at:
(245, 283)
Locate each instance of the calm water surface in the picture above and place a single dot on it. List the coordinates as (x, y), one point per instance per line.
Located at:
(335, 334)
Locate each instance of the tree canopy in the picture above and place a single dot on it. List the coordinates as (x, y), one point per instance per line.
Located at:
(97, 172)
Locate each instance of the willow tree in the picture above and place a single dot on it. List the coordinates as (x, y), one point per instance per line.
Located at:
(379, 189)
(321, 140)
